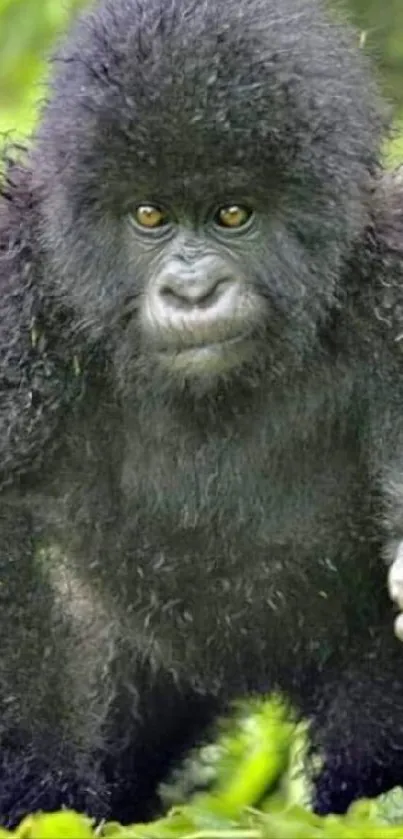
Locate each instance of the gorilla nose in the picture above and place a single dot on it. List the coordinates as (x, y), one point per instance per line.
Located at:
(185, 290)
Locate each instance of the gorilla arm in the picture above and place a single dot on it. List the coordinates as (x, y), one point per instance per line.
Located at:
(384, 247)
(34, 638)
(365, 696)
(32, 382)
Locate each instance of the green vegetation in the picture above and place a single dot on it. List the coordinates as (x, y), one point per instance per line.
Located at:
(28, 28)
(395, 150)
(260, 791)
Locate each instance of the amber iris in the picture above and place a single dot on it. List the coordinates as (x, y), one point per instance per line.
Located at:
(233, 216)
(150, 216)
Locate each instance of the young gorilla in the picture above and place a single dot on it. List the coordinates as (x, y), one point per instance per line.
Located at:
(201, 404)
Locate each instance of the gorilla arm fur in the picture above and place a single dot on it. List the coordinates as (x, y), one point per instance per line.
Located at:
(36, 386)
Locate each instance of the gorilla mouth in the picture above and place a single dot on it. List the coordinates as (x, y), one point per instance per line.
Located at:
(215, 356)
(214, 344)
(229, 340)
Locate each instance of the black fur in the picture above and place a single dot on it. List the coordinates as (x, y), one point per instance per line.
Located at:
(206, 541)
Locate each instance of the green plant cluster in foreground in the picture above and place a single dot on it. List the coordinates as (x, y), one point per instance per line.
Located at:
(260, 791)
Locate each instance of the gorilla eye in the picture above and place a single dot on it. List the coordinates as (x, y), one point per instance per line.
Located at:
(233, 216)
(150, 216)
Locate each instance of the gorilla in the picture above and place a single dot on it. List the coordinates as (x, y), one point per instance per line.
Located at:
(201, 415)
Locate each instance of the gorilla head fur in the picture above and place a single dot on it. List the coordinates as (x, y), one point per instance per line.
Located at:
(188, 110)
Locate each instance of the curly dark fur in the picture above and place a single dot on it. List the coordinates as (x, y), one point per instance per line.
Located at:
(204, 544)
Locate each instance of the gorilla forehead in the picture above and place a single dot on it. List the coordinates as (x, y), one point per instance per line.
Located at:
(170, 86)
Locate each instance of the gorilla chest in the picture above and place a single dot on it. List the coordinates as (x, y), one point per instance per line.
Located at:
(295, 495)
(218, 558)
(254, 548)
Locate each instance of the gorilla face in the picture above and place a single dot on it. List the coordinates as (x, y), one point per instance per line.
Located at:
(199, 308)
(200, 199)
(220, 287)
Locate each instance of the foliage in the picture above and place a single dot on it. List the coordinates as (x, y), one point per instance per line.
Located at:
(28, 28)
(395, 148)
(260, 792)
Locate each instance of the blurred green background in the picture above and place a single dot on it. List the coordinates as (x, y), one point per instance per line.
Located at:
(28, 28)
